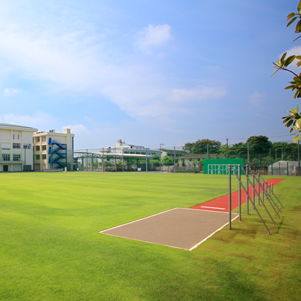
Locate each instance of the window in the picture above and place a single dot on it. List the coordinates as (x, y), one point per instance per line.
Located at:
(37, 139)
(13, 136)
(5, 148)
(27, 146)
(16, 145)
(43, 157)
(6, 157)
(16, 157)
(43, 147)
(18, 137)
(37, 157)
(44, 138)
(37, 147)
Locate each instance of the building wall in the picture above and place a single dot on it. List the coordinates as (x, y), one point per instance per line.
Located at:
(14, 143)
(41, 148)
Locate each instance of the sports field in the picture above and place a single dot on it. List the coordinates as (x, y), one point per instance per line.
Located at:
(50, 248)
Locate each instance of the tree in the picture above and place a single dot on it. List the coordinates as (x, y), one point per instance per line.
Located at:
(155, 160)
(293, 120)
(166, 160)
(200, 146)
(259, 144)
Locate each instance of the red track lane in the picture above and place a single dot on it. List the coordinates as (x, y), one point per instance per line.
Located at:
(221, 204)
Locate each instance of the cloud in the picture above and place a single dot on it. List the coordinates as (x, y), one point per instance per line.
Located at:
(9, 91)
(76, 129)
(154, 36)
(256, 99)
(197, 94)
(39, 120)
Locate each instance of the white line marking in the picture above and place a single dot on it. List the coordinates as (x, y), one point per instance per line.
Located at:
(136, 220)
(213, 208)
(205, 210)
(195, 246)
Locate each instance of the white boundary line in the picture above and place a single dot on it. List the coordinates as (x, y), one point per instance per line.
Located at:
(211, 234)
(195, 246)
(206, 210)
(150, 242)
(137, 220)
(213, 207)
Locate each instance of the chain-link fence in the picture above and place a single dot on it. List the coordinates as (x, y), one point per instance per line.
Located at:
(279, 158)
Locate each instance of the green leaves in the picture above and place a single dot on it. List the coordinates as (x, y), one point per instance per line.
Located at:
(295, 140)
(283, 63)
(290, 16)
(291, 21)
(293, 120)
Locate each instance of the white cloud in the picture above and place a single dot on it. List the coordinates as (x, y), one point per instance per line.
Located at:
(256, 99)
(10, 91)
(71, 62)
(76, 129)
(197, 94)
(39, 120)
(154, 36)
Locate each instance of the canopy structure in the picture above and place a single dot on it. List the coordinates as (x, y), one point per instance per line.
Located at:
(110, 161)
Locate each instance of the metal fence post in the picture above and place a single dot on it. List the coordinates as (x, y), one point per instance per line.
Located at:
(229, 201)
(253, 187)
(239, 192)
(247, 187)
(263, 188)
(299, 156)
(102, 161)
(259, 188)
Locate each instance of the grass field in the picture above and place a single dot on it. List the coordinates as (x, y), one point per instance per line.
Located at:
(50, 248)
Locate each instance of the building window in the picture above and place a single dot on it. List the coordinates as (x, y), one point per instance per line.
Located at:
(16, 157)
(37, 157)
(44, 138)
(37, 139)
(43, 147)
(37, 147)
(18, 137)
(43, 157)
(27, 146)
(6, 157)
(5, 148)
(16, 145)
(13, 136)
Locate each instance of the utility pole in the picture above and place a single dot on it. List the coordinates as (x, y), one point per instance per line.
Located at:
(145, 159)
(227, 148)
(161, 144)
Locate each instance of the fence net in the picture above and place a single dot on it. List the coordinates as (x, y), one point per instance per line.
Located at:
(278, 158)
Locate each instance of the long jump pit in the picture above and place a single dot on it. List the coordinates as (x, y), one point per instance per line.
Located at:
(181, 228)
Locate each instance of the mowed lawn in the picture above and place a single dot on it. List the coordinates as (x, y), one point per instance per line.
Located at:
(50, 248)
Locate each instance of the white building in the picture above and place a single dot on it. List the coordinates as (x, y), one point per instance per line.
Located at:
(53, 150)
(16, 152)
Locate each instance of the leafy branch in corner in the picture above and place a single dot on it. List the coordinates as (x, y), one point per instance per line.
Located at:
(293, 120)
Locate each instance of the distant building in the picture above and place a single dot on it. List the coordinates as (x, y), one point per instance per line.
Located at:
(53, 150)
(188, 160)
(16, 152)
(122, 147)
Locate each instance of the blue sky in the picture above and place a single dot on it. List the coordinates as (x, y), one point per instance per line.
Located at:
(146, 71)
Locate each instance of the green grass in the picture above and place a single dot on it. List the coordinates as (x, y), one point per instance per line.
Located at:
(50, 248)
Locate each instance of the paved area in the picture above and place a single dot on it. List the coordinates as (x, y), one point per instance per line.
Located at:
(221, 204)
(182, 228)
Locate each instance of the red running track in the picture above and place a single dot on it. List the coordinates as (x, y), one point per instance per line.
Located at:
(221, 204)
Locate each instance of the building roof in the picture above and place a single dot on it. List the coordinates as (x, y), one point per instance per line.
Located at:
(197, 156)
(19, 127)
